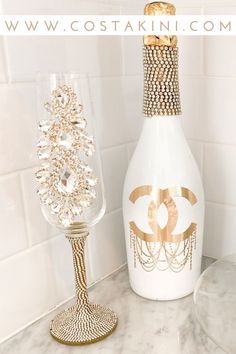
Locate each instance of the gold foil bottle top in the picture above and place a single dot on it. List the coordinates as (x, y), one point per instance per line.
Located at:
(158, 9)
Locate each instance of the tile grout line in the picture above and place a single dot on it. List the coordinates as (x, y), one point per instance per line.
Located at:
(25, 212)
(40, 244)
(6, 61)
(20, 170)
(227, 205)
(30, 168)
(9, 173)
(31, 81)
(233, 145)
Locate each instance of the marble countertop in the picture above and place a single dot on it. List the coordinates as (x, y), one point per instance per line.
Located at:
(144, 326)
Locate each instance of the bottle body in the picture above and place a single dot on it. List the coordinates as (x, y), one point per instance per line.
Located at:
(163, 208)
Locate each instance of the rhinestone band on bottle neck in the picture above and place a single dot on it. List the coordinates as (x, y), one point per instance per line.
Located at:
(161, 82)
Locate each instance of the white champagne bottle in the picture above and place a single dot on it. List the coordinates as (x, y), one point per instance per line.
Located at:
(163, 200)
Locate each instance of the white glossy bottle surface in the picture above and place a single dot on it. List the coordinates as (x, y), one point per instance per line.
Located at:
(163, 208)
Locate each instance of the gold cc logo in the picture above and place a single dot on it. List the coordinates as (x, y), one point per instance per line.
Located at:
(164, 196)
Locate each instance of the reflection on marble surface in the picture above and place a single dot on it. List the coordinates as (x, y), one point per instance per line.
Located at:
(215, 302)
(144, 326)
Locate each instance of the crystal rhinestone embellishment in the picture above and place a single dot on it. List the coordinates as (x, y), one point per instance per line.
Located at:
(44, 154)
(67, 183)
(65, 140)
(67, 180)
(63, 99)
(80, 124)
(44, 126)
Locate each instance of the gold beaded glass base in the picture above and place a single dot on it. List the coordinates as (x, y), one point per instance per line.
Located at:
(83, 323)
(90, 325)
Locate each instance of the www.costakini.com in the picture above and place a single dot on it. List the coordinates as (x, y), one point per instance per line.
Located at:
(121, 26)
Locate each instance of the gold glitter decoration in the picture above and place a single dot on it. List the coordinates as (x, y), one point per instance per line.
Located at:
(158, 9)
(66, 182)
(84, 322)
(161, 82)
(162, 249)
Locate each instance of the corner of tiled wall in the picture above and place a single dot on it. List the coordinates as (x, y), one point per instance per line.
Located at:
(35, 261)
(218, 136)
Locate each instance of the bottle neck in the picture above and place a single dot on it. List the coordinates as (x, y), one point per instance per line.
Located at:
(166, 131)
(163, 122)
(161, 81)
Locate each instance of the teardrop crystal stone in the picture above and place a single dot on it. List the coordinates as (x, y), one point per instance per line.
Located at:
(63, 99)
(79, 108)
(65, 140)
(42, 142)
(91, 180)
(85, 167)
(45, 165)
(89, 148)
(44, 126)
(57, 118)
(42, 190)
(80, 123)
(84, 203)
(76, 210)
(42, 175)
(55, 208)
(66, 217)
(46, 199)
(44, 154)
(91, 193)
(67, 180)
(48, 107)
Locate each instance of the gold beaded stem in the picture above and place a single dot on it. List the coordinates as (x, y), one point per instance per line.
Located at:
(78, 245)
(84, 322)
(161, 82)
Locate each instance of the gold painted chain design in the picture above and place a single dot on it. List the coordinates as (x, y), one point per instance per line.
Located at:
(163, 255)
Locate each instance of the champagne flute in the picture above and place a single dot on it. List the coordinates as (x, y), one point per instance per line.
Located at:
(71, 194)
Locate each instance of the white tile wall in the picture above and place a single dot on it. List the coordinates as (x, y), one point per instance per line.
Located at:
(61, 54)
(133, 100)
(109, 105)
(33, 282)
(219, 230)
(82, 7)
(114, 163)
(216, 51)
(13, 236)
(38, 229)
(133, 63)
(39, 54)
(220, 173)
(130, 149)
(197, 151)
(3, 69)
(107, 244)
(193, 119)
(32, 255)
(106, 50)
(220, 110)
(190, 48)
(18, 131)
